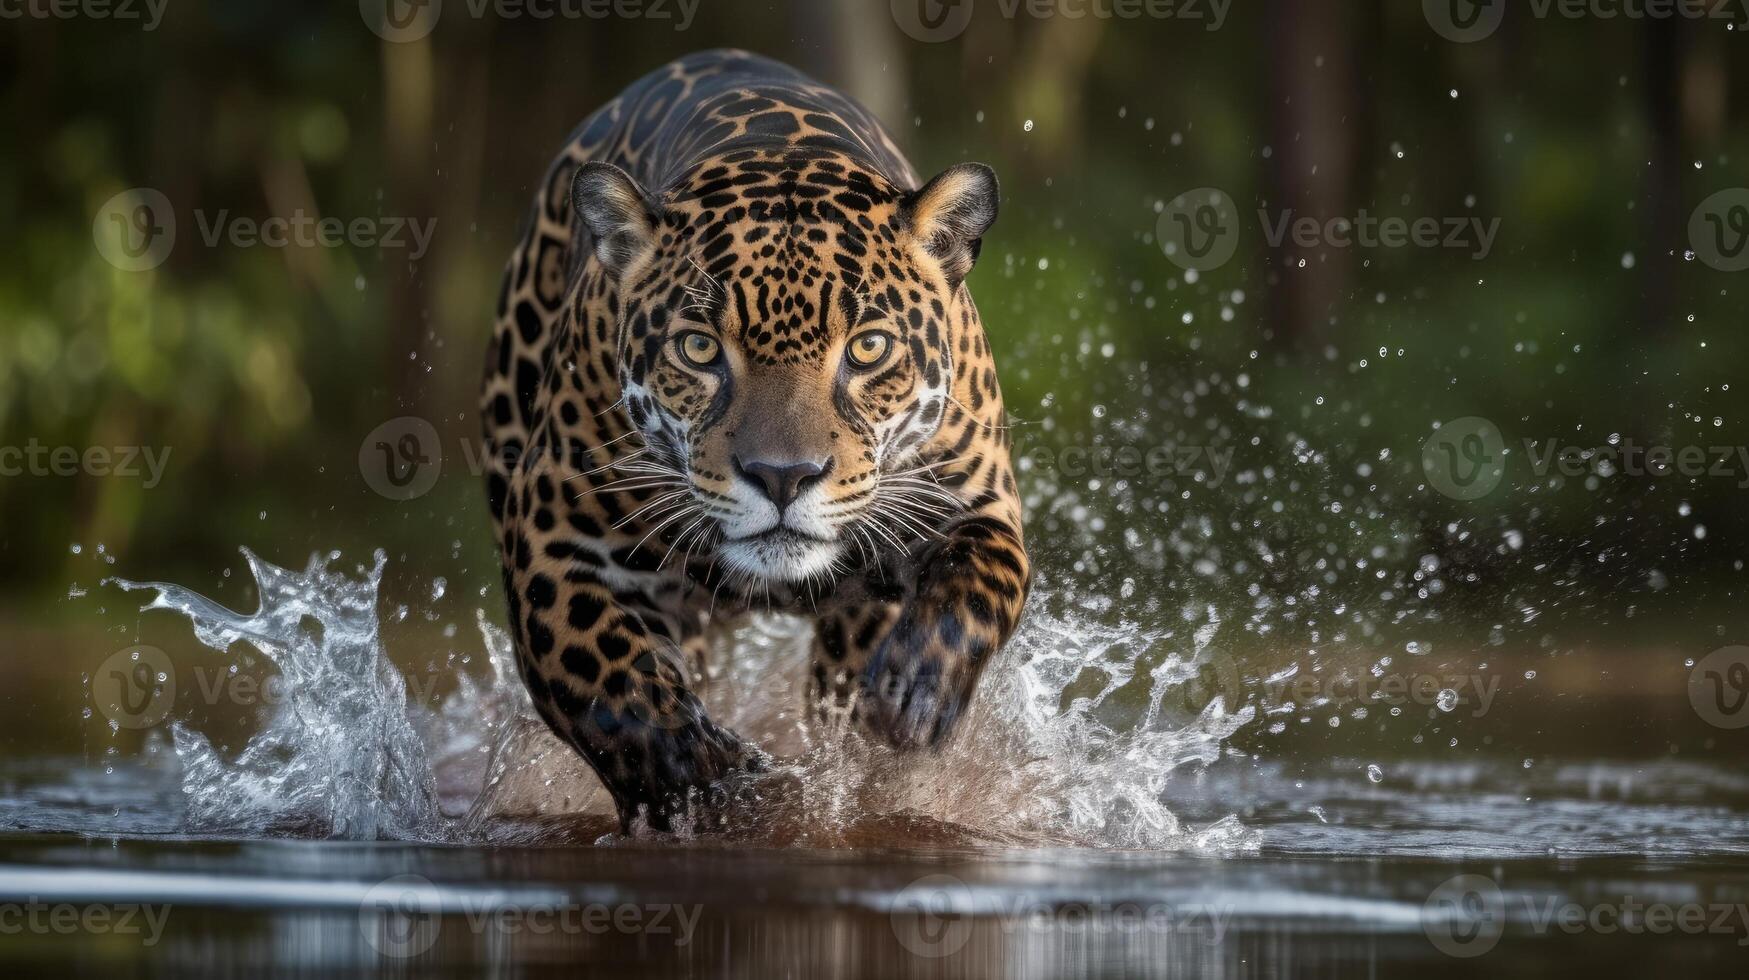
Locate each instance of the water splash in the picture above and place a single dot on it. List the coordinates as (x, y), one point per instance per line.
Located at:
(336, 756)
(1047, 754)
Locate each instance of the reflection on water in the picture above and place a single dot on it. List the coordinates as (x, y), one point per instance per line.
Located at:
(704, 911)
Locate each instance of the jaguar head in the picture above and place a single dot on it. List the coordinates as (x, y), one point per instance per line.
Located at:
(786, 330)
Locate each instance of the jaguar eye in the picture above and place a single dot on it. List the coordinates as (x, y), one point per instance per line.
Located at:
(869, 349)
(699, 349)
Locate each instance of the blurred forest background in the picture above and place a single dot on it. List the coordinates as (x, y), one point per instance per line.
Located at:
(262, 370)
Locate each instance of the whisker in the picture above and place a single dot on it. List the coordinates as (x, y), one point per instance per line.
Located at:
(874, 523)
(664, 499)
(630, 485)
(610, 464)
(676, 517)
(973, 417)
(681, 537)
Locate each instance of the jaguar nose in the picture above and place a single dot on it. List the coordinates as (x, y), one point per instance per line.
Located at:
(782, 483)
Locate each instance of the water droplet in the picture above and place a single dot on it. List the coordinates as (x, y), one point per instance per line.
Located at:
(1375, 774)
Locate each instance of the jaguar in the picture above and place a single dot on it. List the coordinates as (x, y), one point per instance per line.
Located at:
(736, 368)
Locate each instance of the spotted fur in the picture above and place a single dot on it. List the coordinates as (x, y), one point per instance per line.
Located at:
(728, 205)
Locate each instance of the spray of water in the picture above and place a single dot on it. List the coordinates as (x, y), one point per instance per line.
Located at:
(1046, 756)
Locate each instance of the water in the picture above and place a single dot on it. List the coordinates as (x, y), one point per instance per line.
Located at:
(344, 755)
(1115, 806)
(1048, 756)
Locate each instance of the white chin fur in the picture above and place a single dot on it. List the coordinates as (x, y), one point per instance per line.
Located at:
(787, 558)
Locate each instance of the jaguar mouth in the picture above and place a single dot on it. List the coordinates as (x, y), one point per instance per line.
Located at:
(780, 554)
(781, 534)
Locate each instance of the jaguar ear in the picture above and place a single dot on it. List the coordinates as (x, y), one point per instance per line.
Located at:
(619, 214)
(950, 215)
